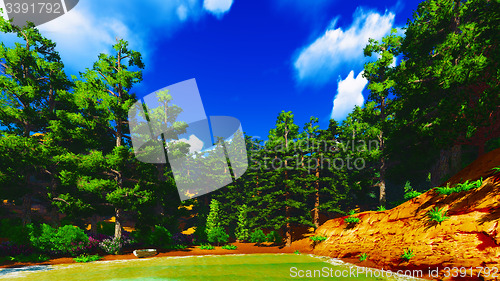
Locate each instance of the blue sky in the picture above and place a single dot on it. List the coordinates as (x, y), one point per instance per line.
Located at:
(251, 59)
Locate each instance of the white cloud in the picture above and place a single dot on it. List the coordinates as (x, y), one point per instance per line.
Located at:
(217, 7)
(195, 143)
(338, 48)
(349, 94)
(91, 27)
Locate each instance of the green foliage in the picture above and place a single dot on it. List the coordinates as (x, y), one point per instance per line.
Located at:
(297, 252)
(242, 231)
(465, 186)
(363, 257)
(407, 254)
(87, 258)
(318, 238)
(381, 208)
(437, 215)
(274, 237)
(214, 216)
(258, 236)
(207, 247)
(217, 235)
(29, 258)
(229, 247)
(409, 192)
(63, 240)
(159, 237)
(14, 231)
(351, 220)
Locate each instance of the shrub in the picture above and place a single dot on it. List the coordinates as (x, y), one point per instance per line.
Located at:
(28, 258)
(111, 246)
(407, 254)
(67, 239)
(242, 231)
(14, 231)
(179, 247)
(87, 258)
(459, 187)
(297, 252)
(258, 236)
(274, 237)
(207, 247)
(318, 238)
(351, 220)
(217, 235)
(9, 248)
(409, 192)
(363, 257)
(182, 239)
(159, 237)
(229, 247)
(381, 208)
(437, 215)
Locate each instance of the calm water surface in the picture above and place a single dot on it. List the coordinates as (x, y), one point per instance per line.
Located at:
(229, 267)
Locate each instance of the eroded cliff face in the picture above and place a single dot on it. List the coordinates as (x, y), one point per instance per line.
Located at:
(469, 238)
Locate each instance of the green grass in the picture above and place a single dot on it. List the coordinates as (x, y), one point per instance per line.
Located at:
(437, 215)
(318, 238)
(229, 247)
(407, 254)
(363, 257)
(465, 186)
(87, 258)
(207, 247)
(381, 208)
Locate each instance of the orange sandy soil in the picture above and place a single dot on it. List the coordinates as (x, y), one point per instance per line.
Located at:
(469, 238)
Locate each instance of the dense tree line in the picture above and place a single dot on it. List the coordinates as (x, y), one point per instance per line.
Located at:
(65, 142)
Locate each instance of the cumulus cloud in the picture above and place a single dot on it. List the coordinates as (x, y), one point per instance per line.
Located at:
(92, 26)
(195, 143)
(338, 48)
(217, 7)
(349, 94)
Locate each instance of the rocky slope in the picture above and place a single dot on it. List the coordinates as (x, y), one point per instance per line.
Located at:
(470, 238)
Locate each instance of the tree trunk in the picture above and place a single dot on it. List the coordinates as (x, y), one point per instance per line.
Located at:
(456, 159)
(26, 207)
(118, 224)
(316, 198)
(442, 167)
(93, 224)
(382, 194)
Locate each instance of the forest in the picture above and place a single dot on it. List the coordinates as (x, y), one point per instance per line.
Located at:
(65, 142)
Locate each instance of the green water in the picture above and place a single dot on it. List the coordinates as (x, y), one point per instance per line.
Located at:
(232, 267)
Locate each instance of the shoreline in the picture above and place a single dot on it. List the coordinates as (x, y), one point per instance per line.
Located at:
(303, 246)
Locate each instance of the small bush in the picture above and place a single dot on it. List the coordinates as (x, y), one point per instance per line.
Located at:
(9, 248)
(409, 192)
(407, 254)
(437, 215)
(297, 252)
(159, 237)
(465, 186)
(87, 258)
(381, 208)
(179, 247)
(67, 239)
(217, 235)
(318, 238)
(182, 239)
(258, 236)
(207, 247)
(351, 220)
(229, 247)
(114, 246)
(363, 257)
(274, 237)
